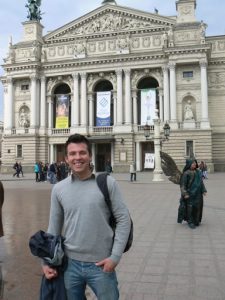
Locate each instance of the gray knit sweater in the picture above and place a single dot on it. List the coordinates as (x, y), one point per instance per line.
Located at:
(79, 212)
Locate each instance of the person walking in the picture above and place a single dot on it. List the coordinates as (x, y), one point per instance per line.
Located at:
(16, 168)
(36, 171)
(108, 167)
(79, 212)
(132, 172)
(192, 192)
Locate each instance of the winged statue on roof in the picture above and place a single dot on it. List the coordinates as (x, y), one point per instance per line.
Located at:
(34, 12)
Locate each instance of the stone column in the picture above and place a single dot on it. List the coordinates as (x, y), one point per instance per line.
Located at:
(52, 156)
(84, 99)
(119, 97)
(157, 173)
(135, 114)
(114, 108)
(204, 95)
(43, 102)
(50, 112)
(138, 156)
(173, 94)
(161, 108)
(91, 110)
(9, 104)
(33, 117)
(166, 94)
(127, 97)
(75, 103)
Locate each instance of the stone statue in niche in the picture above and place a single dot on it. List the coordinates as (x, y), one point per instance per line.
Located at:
(165, 39)
(188, 111)
(171, 37)
(24, 118)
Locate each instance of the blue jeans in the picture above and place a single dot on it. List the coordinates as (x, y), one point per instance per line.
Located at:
(79, 274)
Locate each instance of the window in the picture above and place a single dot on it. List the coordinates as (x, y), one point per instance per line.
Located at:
(24, 87)
(19, 151)
(188, 74)
(189, 148)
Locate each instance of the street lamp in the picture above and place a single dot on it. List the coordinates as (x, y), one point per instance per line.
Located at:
(157, 173)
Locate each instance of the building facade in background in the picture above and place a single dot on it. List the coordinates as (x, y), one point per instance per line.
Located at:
(104, 75)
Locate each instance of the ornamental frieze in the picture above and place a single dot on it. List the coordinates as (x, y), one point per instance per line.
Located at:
(111, 22)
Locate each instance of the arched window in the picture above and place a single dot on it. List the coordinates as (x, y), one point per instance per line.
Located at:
(104, 86)
(62, 105)
(146, 83)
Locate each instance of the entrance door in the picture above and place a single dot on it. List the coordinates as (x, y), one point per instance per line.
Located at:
(103, 153)
(147, 147)
(60, 153)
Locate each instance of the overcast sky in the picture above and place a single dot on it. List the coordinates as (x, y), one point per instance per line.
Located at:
(56, 13)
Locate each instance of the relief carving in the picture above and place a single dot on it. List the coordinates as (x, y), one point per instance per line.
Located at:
(135, 43)
(217, 80)
(185, 10)
(92, 47)
(112, 45)
(146, 42)
(157, 41)
(111, 22)
(61, 51)
(52, 51)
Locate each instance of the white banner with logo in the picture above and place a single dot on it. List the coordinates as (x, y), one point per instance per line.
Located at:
(149, 161)
(148, 106)
(103, 109)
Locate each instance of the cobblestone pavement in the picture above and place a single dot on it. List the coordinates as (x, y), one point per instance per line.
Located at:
(168, 261)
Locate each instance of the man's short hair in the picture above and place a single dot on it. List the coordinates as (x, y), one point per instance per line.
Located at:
(78, 139)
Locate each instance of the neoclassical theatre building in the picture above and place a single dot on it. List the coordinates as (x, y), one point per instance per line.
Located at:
(105, 75)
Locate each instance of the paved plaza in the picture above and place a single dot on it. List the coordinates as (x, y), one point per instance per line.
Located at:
(168, 261)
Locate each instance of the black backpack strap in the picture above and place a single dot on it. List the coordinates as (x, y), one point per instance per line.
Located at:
(102, 184)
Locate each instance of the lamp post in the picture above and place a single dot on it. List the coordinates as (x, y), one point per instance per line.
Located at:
(157, 173)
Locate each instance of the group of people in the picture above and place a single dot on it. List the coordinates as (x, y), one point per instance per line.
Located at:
(53, 172)
(192, 191)
(18, 169)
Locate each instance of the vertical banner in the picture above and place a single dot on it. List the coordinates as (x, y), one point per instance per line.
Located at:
(148, 106)
(103, 109)
(149, 161)
(62, 111)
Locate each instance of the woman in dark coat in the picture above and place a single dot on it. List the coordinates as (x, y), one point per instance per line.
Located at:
(192, 191)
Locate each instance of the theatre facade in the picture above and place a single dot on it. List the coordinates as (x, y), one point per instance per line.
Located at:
(106, 75)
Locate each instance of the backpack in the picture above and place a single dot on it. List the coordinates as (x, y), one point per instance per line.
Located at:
(102, 184)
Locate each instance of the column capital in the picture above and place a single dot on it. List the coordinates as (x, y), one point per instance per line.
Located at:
(9, 80)
(43, 79)
(172, 65)
(203, 63)
(127, 71)
(119, 72)
(165, 68)
(75, 75)
(33, 77)
(83, 75)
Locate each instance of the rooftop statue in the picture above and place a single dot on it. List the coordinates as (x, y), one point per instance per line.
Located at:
(34, 12)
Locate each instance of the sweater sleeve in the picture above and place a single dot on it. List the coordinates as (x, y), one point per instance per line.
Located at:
(56, 213)
(122, 217)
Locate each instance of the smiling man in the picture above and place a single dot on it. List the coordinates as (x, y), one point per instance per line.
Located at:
(79, 213)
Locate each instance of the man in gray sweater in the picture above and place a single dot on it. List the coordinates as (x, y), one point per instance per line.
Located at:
(79, 213)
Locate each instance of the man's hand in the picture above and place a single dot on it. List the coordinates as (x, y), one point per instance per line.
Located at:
(49, 272)
(107, 264)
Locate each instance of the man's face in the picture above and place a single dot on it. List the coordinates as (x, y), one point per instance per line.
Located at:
(78, 158)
